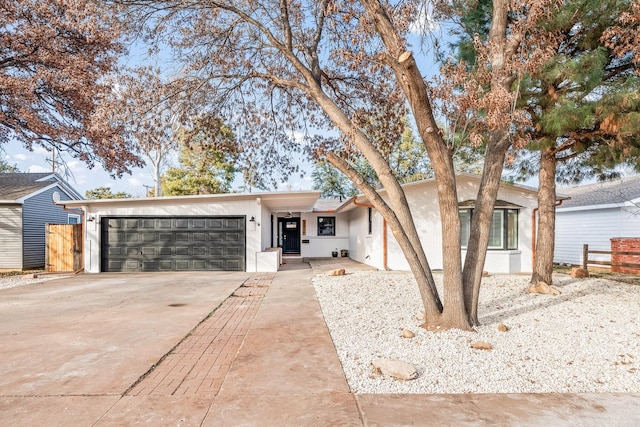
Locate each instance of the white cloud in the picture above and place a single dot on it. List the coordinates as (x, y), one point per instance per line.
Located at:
(20, 157)
(424, 22)
(38, 169)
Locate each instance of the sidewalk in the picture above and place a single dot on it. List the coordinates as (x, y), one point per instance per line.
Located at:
(287, 373)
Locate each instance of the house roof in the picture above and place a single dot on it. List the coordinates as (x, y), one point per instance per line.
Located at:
(327, 205)
(15, 187)
(360, 199)
(615, 192)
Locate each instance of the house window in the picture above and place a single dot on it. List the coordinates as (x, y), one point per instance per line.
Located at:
(504, 228)
(73, 219)
(326, 226)
(370, 220)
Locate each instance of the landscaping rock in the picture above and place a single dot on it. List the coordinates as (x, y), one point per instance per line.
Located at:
(337, 272)
(579, 273)
(485, 274)
(543, 288)
(407, 334)
(481, 345)
(502, 327)
(396, 368)
(421, 316)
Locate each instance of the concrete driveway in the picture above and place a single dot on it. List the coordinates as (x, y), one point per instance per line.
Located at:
(97, 334)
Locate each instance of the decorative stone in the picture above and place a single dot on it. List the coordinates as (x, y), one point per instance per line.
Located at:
(396, 369)
(421, 316)
(485, 274)
(502, 327)
(579, 273)
(337, 272)
(407, 334)
(481, 345)
(543, 288)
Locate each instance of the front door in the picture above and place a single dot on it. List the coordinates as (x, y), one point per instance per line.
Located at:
(289, 235)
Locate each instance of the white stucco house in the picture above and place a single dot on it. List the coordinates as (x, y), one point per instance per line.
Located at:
(238, 232)
(593, 215)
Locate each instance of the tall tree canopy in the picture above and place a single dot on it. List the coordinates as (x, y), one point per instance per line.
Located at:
(582, 103)
(207, 159)
(106, 193)
(53, 55)
(6, 167)
(287, 67)
(585, 109)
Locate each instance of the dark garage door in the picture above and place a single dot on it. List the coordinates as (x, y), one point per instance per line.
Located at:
(173, 243)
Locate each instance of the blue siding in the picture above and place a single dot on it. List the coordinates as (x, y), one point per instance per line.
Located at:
(37, 211)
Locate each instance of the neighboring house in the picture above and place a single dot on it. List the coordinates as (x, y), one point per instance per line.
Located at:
(236, 231)
(593, 215)
(26, 205)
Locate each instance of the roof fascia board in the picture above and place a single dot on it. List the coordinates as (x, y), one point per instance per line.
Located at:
(592, 207)
(41, 190)
(264, 198)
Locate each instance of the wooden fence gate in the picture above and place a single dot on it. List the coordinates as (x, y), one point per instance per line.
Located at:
(63, 247)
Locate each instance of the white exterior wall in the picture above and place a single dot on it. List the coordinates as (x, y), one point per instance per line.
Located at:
(424, 206)
(364, 247)
(322, 246)
(11, 237)
(246, 208)
(576, 227)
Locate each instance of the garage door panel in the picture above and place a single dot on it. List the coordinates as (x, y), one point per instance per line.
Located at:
(232, 264)
(164, 223)
(149, 237)
(234, 223)
(173, 244)
(147, 223)
(165, 265)
(166, 237)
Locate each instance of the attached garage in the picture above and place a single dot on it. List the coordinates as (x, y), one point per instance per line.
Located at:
(214, 243)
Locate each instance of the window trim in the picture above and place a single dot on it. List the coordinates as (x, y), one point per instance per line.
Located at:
(505, 227)
(321, 220)
(77, 217)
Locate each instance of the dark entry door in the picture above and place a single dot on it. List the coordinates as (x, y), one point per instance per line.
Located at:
(289, 235)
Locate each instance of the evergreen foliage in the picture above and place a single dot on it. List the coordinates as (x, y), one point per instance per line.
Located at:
(207, 159)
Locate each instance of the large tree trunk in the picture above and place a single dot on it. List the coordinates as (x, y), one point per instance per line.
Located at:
(483, 215)
(545, 238)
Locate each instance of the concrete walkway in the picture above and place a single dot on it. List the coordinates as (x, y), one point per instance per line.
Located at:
(261, 356)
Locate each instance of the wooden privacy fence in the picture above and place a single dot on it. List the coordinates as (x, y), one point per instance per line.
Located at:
(615, 263)
(63, 247)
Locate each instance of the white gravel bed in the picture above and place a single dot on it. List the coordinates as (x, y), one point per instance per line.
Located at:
(24, 279)
(586, 340)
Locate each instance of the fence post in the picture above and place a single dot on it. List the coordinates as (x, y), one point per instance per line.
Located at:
(585, 256)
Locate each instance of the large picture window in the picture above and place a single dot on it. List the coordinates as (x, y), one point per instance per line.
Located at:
(326, 226)
(504, 228)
